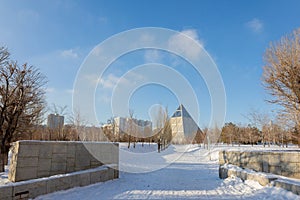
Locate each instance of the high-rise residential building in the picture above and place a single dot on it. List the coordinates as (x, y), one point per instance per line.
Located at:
(134, 127)
(184, 128)
(55, 121)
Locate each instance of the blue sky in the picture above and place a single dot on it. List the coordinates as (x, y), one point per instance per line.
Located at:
(56, 36)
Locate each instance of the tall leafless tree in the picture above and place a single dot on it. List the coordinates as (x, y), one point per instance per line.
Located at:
(22, 101)
(163, 130)
(286, 127)
(130, 129)
(281, 76)
(79, 124)
(166, 134)
(260, 120)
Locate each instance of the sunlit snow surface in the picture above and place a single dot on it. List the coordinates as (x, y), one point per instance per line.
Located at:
(191, 173)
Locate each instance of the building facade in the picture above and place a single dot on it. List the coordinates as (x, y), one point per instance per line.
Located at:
(55, 121)
(184, 128)
(134, 127)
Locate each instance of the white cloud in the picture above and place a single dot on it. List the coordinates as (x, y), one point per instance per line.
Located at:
(109, 82)
(152, 56)
(105, 98)
(92, 79)
(255, 25)
(57, 90)
(146, 38)
(69, 53)
(191, 33)
(185, 46)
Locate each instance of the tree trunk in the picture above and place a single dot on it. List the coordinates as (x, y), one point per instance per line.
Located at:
(158, 146)
(128, 141)
(2, 162)
(3, 157)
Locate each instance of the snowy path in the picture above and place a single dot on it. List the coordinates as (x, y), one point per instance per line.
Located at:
(192, 176)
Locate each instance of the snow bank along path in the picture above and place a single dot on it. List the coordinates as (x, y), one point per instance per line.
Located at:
(193, 176)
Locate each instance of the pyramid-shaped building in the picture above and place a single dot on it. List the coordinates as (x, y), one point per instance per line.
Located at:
(184, 128)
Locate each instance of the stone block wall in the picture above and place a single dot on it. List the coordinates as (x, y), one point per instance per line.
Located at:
(33, 188)
(36, 159)
(284, 163)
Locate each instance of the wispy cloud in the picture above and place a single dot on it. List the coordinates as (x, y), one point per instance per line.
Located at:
(146, 38)
(69, 53)
(105, 98)
(152, 56)
(109, 81)
(255, 25)
(182, 44)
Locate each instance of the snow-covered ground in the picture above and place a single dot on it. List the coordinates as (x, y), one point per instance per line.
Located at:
(180, 172)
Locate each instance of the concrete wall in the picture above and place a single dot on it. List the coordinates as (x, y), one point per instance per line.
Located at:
(263, 179)
(33, 188)
(284, 163)
(36, 159)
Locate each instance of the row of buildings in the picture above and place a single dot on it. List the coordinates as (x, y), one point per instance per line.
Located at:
(183, 126)
(130, 126)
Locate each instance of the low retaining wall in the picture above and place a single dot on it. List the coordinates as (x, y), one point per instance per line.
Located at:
(263, 179)
(228, 170)
(36, 159)
(284, 163)
(33, 188)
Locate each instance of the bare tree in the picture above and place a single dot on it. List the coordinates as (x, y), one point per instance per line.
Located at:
(205, 133)
(198, 137)
(58, 132)
(252, 135)
(163, 130)
(229, 133)
(159, 126)
(286, 126)
(115, 130)
(22, 102)
(131, 126)
(148, 132)
(261, 121)
(281, 76)
(166, 134)
(61, 110)
(213, 135)
(111, 130)
(78, 123)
